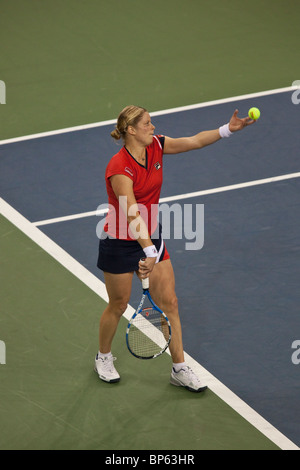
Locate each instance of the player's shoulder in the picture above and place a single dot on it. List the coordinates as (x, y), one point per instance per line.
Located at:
(118, 157)
(158, 141)
(120, 163)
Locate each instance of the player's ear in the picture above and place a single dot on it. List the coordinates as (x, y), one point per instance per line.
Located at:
(131, 130)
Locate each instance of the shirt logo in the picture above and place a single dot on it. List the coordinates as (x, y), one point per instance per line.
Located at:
(157, 165)
(128, 170)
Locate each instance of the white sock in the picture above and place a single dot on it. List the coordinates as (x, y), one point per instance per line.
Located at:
(104, 355)
(179, 365)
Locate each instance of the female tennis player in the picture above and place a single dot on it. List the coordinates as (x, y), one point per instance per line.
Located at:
(131, 232)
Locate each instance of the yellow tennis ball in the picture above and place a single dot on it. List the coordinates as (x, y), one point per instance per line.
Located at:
(254, 113)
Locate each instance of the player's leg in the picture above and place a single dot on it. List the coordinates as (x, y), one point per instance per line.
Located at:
(162, 290)
(118, 287)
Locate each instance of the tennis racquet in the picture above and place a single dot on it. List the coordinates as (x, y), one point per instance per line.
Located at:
(148, 332)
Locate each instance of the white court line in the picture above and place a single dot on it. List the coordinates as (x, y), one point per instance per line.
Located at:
(97, 286)
(155, 113)
(179, 197)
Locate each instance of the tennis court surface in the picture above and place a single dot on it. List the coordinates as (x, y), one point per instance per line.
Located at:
(234, 320)
(66, 72)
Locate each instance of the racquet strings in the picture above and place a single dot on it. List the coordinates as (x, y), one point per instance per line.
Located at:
(149, 333)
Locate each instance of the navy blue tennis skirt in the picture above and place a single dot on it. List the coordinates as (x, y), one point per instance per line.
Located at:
(123, 256)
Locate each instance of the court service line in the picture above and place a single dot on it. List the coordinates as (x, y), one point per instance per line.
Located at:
(98, 287)
(179, 197)
(154, 113)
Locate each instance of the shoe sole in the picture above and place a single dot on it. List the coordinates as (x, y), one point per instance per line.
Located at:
(112, 381)
(190, 389)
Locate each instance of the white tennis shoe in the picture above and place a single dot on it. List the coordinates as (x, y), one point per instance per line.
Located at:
(185, 377)
(105, 368)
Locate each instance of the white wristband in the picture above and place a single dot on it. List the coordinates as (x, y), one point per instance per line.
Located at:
(150, 251)
(224, 131)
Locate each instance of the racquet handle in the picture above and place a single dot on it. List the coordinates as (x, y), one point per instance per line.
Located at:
(145, 283)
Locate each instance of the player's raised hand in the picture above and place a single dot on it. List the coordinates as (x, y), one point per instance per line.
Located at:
(236, 123)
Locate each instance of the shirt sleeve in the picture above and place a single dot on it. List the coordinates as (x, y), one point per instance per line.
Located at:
(161, 138)
(120, 166)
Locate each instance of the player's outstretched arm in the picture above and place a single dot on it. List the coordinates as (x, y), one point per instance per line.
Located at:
(204, 138)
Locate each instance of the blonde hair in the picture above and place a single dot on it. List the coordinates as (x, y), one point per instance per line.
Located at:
(129, 116)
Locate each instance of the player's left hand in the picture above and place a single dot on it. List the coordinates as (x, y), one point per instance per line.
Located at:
(236, 123)
(145, 267)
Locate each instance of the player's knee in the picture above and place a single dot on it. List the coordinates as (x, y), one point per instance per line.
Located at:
(118, 306)
(174, 302)
(171, 303)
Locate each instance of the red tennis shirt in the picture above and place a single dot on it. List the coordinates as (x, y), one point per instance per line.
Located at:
(147, 182)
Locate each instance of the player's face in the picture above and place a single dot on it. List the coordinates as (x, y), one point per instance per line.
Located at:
(144, 130)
